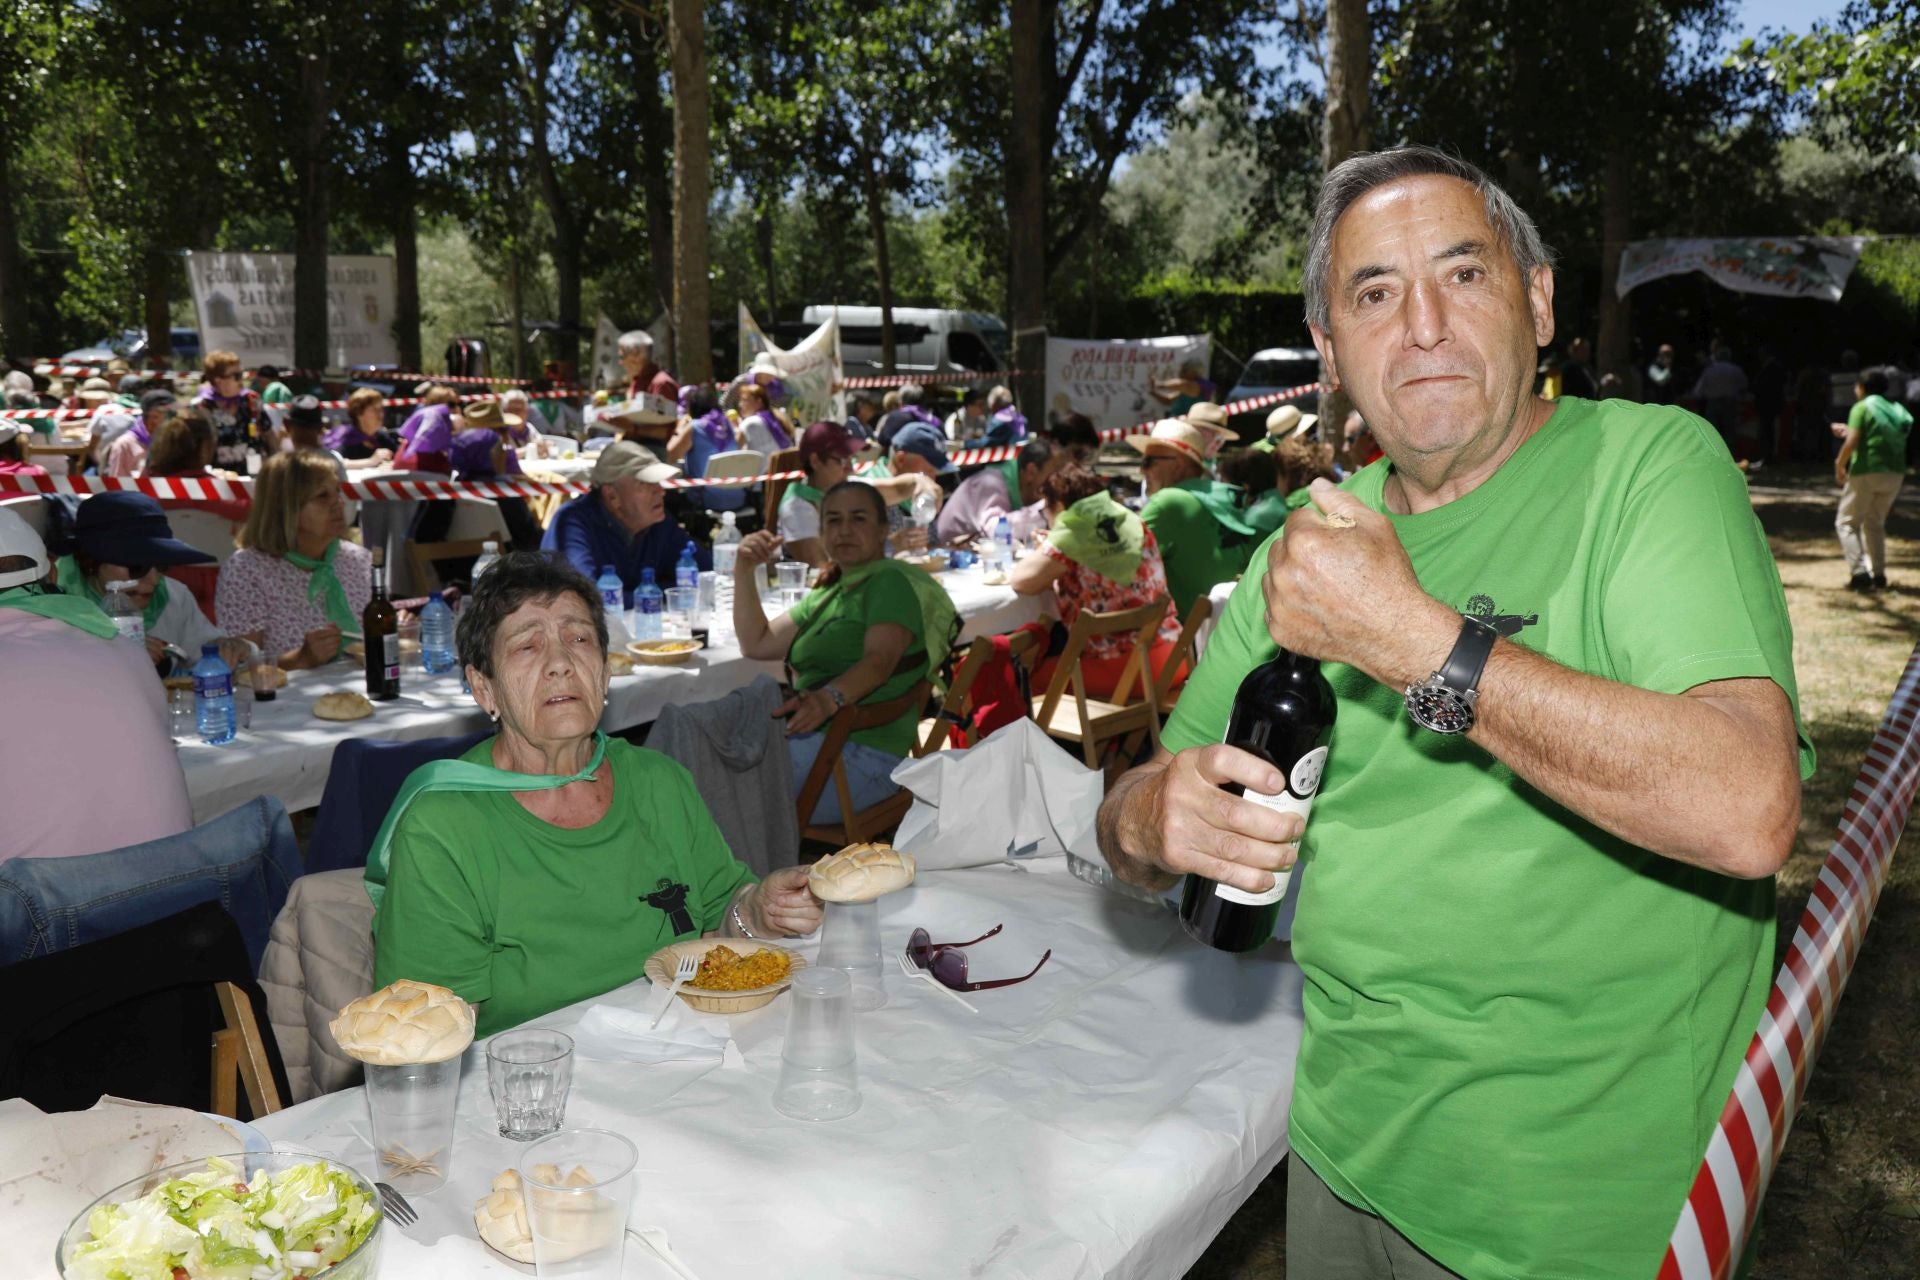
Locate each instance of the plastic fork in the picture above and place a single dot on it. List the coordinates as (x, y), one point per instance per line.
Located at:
(683, 972)
(912, 970)
(396, 1205)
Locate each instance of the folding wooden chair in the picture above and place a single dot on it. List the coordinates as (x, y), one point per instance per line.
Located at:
(746, 465)
(784, 460)
(876, 821)
(956, 710)
(1093, 722)
(424, 555)
(1163, 691)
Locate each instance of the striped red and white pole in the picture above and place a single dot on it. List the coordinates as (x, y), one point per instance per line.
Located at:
(1745, 1147)
(193, 489)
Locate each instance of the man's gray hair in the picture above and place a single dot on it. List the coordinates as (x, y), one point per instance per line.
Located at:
(912, 393)
(635, 340)
(1356, 176)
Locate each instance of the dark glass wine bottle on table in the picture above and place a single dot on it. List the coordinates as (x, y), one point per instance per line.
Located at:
(380, 635)
(1283, 713)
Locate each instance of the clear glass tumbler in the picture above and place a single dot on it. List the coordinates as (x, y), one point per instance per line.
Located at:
(412, 1108)
(579, 1186)
(682, 603)
(850, 941)
(529, 1074)
(818, 1076)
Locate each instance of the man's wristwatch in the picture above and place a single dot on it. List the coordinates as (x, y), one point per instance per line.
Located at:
(1444, 701)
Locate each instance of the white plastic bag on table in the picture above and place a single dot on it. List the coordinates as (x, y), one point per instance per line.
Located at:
(1014, 795)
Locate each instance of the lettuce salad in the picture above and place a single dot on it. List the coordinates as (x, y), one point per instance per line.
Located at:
(214, 1225)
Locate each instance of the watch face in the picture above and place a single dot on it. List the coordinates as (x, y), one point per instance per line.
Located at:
(1439, 708)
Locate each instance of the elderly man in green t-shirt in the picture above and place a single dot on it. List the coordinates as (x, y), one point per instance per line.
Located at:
(1870, 468)
(1204, 536)
(1536, 899)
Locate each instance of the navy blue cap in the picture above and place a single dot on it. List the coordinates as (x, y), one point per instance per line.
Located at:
(923, 441)
(130, 528)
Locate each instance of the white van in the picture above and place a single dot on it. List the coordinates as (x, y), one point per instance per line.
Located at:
(926, 340)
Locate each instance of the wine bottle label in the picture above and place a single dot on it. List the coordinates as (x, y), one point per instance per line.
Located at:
(1302, 783)
(390, 656)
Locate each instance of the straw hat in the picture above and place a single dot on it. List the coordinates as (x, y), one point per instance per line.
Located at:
(96, 390)
(486, 415)
(1173, 438)
(1287, 420)
(1212, 419)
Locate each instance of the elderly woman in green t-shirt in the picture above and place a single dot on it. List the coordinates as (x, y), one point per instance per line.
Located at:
(547, 863)
(869, 632)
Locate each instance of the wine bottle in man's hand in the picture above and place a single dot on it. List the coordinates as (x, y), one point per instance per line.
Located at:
(1283, 713)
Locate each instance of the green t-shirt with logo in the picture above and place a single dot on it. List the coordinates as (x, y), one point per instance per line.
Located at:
(1883, 426)
(1520, 1030)
(831, 639)
(1198, 547)
(523, 917)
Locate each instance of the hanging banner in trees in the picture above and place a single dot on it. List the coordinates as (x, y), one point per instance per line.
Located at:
(1785, 266)
(245, 304)
(810, 371)
(1111, 380)
(606, 355)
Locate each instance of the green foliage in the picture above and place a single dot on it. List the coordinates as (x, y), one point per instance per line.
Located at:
(1892, 267)
(1863, 70)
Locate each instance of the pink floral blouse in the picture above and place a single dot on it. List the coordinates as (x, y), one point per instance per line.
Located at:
(265, 593)
(1081, 588)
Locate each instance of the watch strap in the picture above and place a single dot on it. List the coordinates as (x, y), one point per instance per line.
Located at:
(1461, 671)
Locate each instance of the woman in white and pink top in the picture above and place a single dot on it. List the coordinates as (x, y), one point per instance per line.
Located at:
(296, 577)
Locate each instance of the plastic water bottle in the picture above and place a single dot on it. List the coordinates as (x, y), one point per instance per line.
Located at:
(436, 636)
(613, 593)
(726, 545)
(687, 572)
(125, 614)
(924, 507)
(489, 554)
(649, 609)
(213, 696)
(1003, 543)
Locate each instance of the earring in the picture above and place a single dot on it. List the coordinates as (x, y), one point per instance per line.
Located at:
(494, 716)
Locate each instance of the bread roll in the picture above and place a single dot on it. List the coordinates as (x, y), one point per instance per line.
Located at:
(619, 664)
(860, 873)
(342, 706)
(407, 1022)
(500, 1216)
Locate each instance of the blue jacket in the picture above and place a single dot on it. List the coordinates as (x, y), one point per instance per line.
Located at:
(586, 533)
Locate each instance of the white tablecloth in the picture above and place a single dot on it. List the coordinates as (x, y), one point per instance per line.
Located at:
(288, 750)
(1105, 1118)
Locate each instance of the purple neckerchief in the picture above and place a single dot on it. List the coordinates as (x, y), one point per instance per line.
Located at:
(435, 433)
(471, 454)
(412, 425)
(779, 433)
(715, 427)
(139, 431)
(916, 412)
(338, 438)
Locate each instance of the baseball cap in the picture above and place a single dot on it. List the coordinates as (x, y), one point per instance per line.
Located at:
(305, 412)
(17, 538)
(132, 384)
(130, 528)
(157, 400)
(625, 458)
(923, 441)
(827, 440)
(9, 428)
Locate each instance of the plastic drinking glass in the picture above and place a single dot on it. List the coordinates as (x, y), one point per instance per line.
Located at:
(181, 726)
(529, 1074)
(579, 1186)
(819, 1079)
(412, 1109)
(850, 942)
(793, 575)
(709, 594)
(681, 605)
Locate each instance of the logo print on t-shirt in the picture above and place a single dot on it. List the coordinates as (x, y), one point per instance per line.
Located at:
(1507, 624)
(671, 898)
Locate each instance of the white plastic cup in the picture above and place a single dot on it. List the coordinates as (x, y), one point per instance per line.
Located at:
(819, 1079)
(579, 1219)
(793, 575)
(413, 1109)
(850, 942)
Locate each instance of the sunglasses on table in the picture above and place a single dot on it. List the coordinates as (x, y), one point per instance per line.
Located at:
(947, 963)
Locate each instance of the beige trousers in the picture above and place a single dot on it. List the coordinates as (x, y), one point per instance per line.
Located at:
(1862, 522)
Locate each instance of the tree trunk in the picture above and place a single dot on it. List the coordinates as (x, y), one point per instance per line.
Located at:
(1030, 69)
(517, 303)
(656, 180)
(1343, 133)
(156, 282)
(16, 339)
(692, 188)
(882, 262)
(566, 219)
(1616, 228)
(763, 241)
(406, 264)
(311, 349)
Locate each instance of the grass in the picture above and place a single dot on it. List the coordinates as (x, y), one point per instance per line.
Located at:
(1845, 1200)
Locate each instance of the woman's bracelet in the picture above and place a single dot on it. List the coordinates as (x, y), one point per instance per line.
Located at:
(741, 924)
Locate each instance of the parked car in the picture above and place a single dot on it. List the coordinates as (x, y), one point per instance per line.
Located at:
(1271, 370)
(926, 340)
(132, 346)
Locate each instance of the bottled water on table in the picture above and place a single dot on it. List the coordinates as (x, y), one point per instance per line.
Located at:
(125, 614)
(489, 554)
(649, 609)
(613, 592)
(726, 545)
(213, 696)
(687, 572)
(436, 636)
(1003, 542)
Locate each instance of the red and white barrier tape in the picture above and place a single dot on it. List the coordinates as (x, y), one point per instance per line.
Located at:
(194, 489)
(1745, 1146)
(397, 402)
(929, 379)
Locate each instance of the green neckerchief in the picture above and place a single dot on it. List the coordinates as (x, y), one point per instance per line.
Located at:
(1222, 502)
(1299, 498)
(72, 610)
(70, 572)
(805, 492)
(939, 621)
(1892, 416)
(463, 775)
(1098, 533)
(1010, 468)
(324, 585)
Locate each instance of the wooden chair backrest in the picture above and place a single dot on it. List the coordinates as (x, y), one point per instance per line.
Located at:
(784, 460)
(1144, 622)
